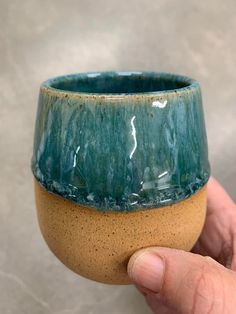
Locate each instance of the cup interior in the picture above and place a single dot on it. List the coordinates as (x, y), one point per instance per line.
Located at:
(120, 82)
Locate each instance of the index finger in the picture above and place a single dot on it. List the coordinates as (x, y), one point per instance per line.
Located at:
(218, 200)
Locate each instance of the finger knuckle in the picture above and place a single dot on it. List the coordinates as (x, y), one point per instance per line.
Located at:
(202, 287)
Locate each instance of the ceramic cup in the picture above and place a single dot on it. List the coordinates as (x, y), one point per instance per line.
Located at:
(120, 163)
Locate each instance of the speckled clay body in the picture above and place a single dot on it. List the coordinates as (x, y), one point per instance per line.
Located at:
(120, 162)
(98, 245)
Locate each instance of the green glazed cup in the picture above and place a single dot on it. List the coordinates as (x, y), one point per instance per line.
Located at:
(120, 163)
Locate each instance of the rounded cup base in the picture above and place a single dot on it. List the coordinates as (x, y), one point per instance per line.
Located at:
(98, 244)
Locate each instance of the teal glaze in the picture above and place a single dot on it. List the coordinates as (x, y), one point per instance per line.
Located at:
(121, 140)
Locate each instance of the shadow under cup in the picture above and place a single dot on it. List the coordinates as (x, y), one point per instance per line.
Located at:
(120, 163)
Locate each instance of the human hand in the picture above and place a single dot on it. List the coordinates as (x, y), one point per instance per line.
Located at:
(204, 281)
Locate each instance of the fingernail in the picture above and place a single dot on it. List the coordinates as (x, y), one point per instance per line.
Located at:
(147, 270)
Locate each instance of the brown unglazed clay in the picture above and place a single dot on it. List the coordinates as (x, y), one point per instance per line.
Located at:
(98, 245)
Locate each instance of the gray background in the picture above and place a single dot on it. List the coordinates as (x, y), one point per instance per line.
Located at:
(41, 39)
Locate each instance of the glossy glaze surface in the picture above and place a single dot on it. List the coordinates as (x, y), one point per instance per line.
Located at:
(121, 140)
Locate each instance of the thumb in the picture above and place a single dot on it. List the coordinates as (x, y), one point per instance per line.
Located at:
(185, 282)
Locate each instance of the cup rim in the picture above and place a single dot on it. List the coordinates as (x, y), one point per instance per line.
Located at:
(48, 86)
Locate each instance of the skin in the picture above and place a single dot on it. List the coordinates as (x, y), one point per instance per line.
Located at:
(197, 282)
